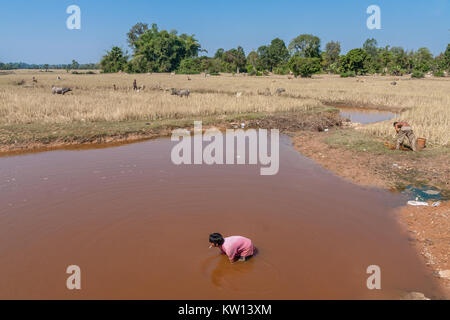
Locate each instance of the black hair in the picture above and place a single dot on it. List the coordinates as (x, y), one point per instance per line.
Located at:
(395, 123)
(216, 238)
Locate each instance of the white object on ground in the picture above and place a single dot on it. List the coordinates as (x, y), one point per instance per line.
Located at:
(436, 204)
(432, 192)
(444, 274)
(417, 203)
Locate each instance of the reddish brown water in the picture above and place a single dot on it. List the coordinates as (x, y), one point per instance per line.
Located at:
(137, 226)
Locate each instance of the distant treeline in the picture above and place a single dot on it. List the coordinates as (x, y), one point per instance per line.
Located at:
(155, 50)
(73, 66)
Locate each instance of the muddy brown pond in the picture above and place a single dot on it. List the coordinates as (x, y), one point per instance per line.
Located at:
(138, 225)
(366, 116)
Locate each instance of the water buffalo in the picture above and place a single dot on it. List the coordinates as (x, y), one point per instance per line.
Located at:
(280, 91)
(63, 91)
(180, 93)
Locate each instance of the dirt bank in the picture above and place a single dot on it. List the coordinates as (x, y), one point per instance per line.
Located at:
(367, 162)
(35, 138)
(429, 229)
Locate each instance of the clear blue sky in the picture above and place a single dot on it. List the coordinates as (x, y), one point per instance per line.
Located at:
(35, 31)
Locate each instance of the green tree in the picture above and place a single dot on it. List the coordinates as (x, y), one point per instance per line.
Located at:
(114, 61)
(371, 47)
(162, 51)
(278, 54)
(305, 67)
(137, 30)
(330, 57)
(190, 66)
(373, 62)
(235, 59)
(355, 60)
(384, 58)
(333, 50)
(46, 66)
(263, 61)
(75, 65)
(446, 58)
(305, 45)
(219, 53)
(423, 60)
(399, 63)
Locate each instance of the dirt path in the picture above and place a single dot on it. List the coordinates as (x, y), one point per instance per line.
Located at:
(429, 227)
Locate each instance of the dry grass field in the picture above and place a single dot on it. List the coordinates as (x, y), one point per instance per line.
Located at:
(424, 103)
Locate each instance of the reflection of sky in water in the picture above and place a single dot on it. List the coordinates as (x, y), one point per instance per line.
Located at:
(366, 116)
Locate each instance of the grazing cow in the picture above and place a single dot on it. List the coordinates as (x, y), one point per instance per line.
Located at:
(180, 93)
(34, 80)
(63, 91)
(280, 91)
(58, 78)
(114, 87)
(265, 92)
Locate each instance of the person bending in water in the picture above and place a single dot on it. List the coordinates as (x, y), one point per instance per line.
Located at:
(237, 248)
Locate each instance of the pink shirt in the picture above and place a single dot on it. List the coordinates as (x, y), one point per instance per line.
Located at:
(237, 246)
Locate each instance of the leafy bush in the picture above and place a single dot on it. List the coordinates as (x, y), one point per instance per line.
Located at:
(87, 72)
(305, 67)
(438, 73)
(189, 66)
(348, 74)
(334, 68)
(250, 70)
(396, 70)
(114, 61)
(282, 69)
(417, 74)
(355, 60)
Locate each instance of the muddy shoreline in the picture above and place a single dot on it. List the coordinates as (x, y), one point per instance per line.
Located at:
(427, 227)
(285, 122)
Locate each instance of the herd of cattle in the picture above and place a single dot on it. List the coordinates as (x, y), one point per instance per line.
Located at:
(63, 91)
(180, 93)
